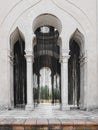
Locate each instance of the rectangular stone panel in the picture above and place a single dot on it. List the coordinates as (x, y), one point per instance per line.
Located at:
(68, 128)
(55, 128)
(42, 122)
(30, 122)
(28, 128)
(54, 124)
(36, 128)
(19, 122)
(91, 128)
(18, 128)
(39, 128)
(67, 122)
(6, 121)
(79, 128)
(5, 128)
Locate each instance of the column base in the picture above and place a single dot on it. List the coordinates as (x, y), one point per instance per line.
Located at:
(29, 107)
(65, 107)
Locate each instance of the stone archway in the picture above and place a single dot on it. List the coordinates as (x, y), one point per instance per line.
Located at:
(74, 75)
(76, 70)
(18, 70)
(88, 31)
(46, 52)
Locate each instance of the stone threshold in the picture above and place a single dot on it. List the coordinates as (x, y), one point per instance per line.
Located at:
(48, 124)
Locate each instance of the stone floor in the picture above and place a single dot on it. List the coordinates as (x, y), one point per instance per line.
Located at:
(49, 111)
(48, 117)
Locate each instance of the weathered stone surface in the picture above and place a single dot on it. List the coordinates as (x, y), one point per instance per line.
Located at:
(18, 128)
(19, 122)
(6, 128)
(42, 122)
(30, 122)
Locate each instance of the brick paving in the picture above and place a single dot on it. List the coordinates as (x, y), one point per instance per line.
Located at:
(48, 117)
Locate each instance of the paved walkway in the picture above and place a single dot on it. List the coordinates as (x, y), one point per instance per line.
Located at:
(49, 111)
(48, 117)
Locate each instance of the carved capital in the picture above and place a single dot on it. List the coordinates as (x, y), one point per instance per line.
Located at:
(29, 56)
(64, 59)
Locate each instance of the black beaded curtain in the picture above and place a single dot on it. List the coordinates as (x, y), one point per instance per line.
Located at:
(19, 72)
(46, 53)
(74, 74)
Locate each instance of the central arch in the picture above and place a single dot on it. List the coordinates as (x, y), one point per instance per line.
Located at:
(46, 54)
(47, 28)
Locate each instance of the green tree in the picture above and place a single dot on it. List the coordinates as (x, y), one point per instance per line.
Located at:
(44, 94)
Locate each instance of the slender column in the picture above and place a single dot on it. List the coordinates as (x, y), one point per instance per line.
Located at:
(38, 81)
(60, 86)
(30, 100)
(64, 81)
(52, 81)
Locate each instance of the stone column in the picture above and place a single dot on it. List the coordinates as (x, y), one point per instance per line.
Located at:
(52, 81)
(30, 100)
(64, 80)
(38, 81)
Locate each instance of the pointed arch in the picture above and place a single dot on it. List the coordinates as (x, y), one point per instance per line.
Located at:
(78, 37)
(75, 78)
(18, 68)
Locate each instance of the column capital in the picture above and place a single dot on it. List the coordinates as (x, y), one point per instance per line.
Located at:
(64, 59)
(64, 55)
(29, 56)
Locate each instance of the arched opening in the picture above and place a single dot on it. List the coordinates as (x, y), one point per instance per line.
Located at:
(19, 70)
(74, 74)
(75, 79)
(45, 94)
(46, 55)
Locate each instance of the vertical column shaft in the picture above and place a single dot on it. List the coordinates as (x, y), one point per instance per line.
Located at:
(64, 82)
(30, 100)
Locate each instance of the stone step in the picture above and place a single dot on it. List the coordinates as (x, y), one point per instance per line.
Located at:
(47, 124)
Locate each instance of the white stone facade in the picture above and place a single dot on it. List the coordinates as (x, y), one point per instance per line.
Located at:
(75, 19)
